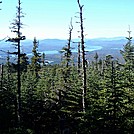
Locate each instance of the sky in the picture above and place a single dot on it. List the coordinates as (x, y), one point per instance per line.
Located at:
(51, 18)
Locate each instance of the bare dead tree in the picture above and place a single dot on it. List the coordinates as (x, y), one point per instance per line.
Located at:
(67, 49)
(70, 33)
(83, 56)
(69, 42)
(78, 63)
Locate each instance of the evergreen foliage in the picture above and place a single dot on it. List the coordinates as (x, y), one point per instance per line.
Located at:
(52, 103)
(67, 98)
(36, 59)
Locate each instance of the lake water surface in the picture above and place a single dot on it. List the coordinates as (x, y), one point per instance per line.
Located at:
(87, 48)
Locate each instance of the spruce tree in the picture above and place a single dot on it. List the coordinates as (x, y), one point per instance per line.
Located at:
(16, 28)
(24, 62)
(128, 76)
(117, 99)
(36, 59)
(128, 55)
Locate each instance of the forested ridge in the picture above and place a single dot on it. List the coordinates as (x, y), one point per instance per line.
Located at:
(69, 97)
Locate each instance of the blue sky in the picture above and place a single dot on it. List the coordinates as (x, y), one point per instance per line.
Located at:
(51, 18)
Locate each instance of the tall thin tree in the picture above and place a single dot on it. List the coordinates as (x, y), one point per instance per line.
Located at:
(83, 56)
(36, 59)
(16, 26)
(78, 63)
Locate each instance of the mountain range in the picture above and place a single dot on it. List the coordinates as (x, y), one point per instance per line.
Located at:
(53, 46)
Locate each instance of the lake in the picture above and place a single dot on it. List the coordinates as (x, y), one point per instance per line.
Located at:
(87, 48)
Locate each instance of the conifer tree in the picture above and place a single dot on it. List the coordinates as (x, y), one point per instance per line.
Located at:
(24, 62)
(43, 59)
(36, 59)
(128, 50)
(96, 61)
(128, 76)
(16, 28)
(117, 99)
(128, 55)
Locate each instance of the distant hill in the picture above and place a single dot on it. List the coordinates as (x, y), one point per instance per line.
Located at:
(53, 46)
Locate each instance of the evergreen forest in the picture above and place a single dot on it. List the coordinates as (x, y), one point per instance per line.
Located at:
(70, 97)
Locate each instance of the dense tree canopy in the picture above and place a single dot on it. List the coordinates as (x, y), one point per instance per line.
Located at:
(69, 97)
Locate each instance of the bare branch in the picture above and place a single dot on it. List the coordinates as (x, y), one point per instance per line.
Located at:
(71, 25)
(80, 4)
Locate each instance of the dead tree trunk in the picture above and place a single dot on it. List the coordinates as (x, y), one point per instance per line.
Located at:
(69, 44)
(78, 66)
(83, 57)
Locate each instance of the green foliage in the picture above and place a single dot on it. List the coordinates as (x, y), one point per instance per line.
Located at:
(36, 59)
(52, 103)
(23, 62)
(51, 96)
(95, 98)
